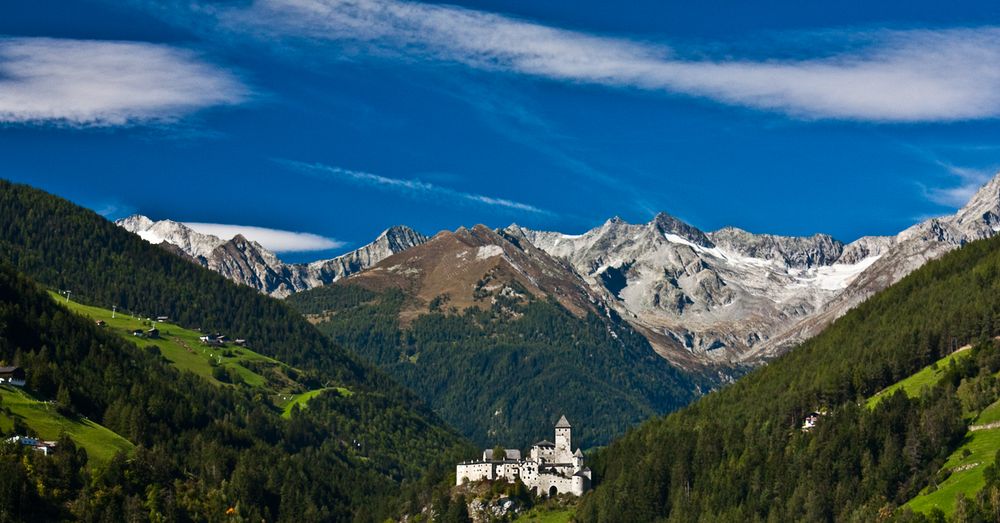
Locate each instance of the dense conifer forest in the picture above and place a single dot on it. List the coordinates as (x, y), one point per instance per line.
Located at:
(739, 454)
(201, 448)
(505, 373)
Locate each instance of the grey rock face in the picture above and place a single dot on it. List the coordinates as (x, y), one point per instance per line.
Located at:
(392, 240)
(735, 296)
(249, 263)
(701, 298)
(798, 252)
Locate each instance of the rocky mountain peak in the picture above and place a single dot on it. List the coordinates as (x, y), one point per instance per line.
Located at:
(516, 231)
(980, 218)
(245, 261)
(196, 244)
(667, 224)
(397, 238)
(135, 223)
(793, 251)
(239, 238)
(474, 267)
(866, 247)
(987, 195)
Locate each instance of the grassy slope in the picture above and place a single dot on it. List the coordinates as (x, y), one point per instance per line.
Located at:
(61, 245)
(179, 345)
(544, 515)
(982, 445)
(184, 350)
(303, 399)
(913, 384)
(976, 451)
(101, 444)
(988, 415)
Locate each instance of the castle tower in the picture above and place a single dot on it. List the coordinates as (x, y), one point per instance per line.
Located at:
(564, 438)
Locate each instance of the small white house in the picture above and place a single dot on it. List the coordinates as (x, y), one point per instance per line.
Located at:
(45, 447)
(810, 421)
(13, 376)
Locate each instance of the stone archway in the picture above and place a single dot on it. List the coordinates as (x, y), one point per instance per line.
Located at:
(553, 491)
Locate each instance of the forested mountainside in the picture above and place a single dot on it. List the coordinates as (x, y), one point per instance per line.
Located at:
(202, 448)
(504, 373)
(64, 246)
(739, 454)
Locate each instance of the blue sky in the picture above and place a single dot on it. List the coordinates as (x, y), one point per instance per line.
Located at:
(340, 119)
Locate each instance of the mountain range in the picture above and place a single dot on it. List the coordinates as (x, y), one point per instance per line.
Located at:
(722, 298)
(249, 263)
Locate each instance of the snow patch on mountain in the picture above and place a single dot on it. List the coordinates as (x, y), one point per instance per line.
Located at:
(834, 277)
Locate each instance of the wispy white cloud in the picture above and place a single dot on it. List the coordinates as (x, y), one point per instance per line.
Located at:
(964, 183)
(899, 76)
(105, 83)
(273, 239)
(114, 210)
(969, 181)
(414, 188)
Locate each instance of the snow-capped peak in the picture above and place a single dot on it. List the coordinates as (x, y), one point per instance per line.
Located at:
(245, 261)
(190, 241)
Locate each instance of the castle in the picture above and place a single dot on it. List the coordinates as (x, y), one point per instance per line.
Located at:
(549, 469)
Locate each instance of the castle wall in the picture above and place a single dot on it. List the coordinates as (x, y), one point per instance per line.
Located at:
(474, 471)
(562, 484)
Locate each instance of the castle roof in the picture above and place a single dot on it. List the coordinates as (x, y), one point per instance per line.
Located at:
(578, 453)
(510, 454)
(545, 443)
(563, 423)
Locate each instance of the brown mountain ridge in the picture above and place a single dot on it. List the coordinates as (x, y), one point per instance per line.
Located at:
(476, 267)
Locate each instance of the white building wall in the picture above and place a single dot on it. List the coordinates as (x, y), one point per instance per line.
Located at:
(564, 439)
(474, 471)
(529, 470)
(562, 484)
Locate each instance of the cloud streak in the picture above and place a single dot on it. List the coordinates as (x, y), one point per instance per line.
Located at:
(413, 188)
(94, 83)
(899, 76)
(273, 239)
(970, 181)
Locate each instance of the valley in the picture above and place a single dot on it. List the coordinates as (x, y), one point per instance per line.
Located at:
(414, 261)
(534, 333)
